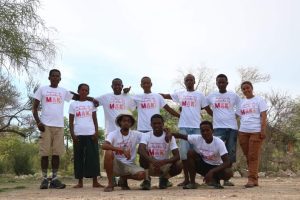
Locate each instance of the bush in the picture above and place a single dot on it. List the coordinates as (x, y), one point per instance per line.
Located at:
(17, 156)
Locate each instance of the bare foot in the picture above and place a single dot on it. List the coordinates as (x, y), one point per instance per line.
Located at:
(78, 186)
(97, 185)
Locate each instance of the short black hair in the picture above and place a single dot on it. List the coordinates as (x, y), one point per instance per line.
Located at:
(189, 75)
(145, 78)
(83, 84)
(116, 79)
(222, 76)
(54, 70)
(206, 123)
(248, 83)
(157, 116)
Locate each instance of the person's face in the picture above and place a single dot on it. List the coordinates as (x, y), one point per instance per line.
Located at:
(247, 90)
(222, 83)
(125, 122)
(157, 125)
(146, 84)
(117, 86)
(189, 81)
(83, 91)
(206, 132)
(54, 78)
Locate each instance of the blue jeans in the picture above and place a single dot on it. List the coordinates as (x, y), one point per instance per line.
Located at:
(185, 146)
(229, 136)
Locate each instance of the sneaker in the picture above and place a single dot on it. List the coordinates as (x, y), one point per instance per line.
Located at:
(163, 183)
(56, 184)
(44, 184)
(146, 185)
(228, 183)
(169, 184)
(190, 186)
(142, 184)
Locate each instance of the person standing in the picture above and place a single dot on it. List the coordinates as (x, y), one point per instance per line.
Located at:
(84, 131)
(224, 105)
(252, 131)
(51, 126)
(191, 103)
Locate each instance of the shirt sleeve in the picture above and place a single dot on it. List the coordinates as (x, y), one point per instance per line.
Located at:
(161, 100)
(101, 99)
(131, 104)
(204, 101)
(262, 105)
(68, 95)
(71, 109)
(110, 137)
(173, 144)
(222, 148)
(192, 139)
(144, 138)
(175, 97)
(38, 94)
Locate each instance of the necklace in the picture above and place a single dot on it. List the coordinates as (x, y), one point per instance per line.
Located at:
(125, 142)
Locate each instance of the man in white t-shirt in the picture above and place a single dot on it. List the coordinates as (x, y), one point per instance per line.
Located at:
(114, 104)
(121, 149)
(154, 154)
(191, 103)
(51, 125)
(149, 104)
(208, 157)
(224, 105)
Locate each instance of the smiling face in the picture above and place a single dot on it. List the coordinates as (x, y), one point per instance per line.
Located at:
(247, 90)
(117, 86)
(206, 132)
(157, 125)
(54, 78)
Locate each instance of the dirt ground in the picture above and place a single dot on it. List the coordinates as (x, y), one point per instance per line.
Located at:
(270, 188)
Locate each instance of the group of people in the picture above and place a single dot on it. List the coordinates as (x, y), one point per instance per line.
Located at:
(204, 147)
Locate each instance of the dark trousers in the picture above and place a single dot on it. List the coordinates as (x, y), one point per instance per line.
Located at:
(86, 158)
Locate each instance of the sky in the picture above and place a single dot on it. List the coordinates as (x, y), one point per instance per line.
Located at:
(99, 40)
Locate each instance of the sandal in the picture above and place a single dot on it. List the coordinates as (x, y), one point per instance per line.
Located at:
(190, 186)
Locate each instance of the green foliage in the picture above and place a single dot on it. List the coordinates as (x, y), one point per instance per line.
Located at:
(24, 41)
(17, 156)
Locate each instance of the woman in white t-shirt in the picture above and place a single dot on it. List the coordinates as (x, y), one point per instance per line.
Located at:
(84, 131)
(252, 132)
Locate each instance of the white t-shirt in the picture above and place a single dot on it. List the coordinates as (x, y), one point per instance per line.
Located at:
(249, 111)
(224, 107)
(83, 117)
(113, 105)
(157, 146)
(52, 102)
(210, 153)
(191, 104)
(147, 105)
(129, 141)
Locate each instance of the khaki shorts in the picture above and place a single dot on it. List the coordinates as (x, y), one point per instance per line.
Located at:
(123, 169)
(51, 141)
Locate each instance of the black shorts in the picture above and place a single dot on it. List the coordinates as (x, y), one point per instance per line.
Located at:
(203, 168)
